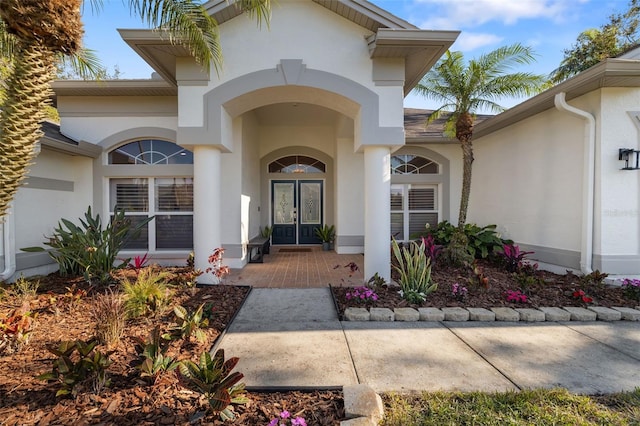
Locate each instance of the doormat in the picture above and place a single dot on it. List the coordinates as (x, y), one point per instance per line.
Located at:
(294, 250)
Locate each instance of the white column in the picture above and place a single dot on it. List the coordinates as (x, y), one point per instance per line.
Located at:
(206, 207)
(377, 215)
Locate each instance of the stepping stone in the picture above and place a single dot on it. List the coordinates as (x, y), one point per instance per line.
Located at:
(530, 315)
(628, 314)
(455, 314)
(406, 314)
(580, 314)
(431, 314)
(381, 314)
(356, 314)
(605, 314)
(556, 314)
(506, 314)
(481, 314)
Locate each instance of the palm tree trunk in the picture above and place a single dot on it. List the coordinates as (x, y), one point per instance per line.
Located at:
(464, 133)
(28, 92)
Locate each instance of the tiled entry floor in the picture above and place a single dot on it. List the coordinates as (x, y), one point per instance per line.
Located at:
(288, 267)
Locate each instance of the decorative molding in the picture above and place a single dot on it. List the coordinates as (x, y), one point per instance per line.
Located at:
(32, 260)
(554, 256)
(619, 264)
(350, 240)
(33, 182)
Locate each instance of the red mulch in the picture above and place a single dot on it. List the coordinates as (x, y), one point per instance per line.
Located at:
(25, 400)
(548, 289)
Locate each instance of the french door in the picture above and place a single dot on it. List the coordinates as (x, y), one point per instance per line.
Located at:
(296, 211)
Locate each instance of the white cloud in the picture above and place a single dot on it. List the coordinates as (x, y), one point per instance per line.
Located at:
(470, 13)
(468, 41)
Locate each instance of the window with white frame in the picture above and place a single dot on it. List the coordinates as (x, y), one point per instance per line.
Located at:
(412, 207)
(415, 202)
(168, 198)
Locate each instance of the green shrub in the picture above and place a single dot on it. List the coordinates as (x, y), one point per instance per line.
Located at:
(414, 268)
(86, 370)
(212, 377)
(190, 323)
(482, 241)
(153, 355)
(88, 249)
(148, 294)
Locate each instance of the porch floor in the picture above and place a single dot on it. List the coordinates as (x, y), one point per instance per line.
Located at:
(300, 267)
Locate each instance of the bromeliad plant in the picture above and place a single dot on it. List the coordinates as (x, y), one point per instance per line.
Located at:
(86, 369)
(212, 377)
(514, 258)
(414, 268)
(88, 249)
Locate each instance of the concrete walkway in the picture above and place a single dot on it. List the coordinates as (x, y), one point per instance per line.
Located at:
(293, 338)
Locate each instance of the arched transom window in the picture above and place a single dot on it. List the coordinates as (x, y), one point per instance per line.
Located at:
(150, 151)
(407, 164)
(297, 164)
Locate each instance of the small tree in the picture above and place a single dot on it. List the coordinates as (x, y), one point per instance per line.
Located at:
(464, 88)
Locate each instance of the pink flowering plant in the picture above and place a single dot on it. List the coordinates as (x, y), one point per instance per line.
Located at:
(516, 296)
(459, 292)
(583, 297)
(216, 268)
(362, 294)
(631, 288)
(285, 419)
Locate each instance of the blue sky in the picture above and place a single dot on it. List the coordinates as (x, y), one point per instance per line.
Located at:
(549, 26)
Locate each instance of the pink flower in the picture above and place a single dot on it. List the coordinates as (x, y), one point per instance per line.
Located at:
(285, 414)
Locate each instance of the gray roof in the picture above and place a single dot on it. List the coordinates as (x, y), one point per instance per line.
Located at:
(416, 129)
(56, 141)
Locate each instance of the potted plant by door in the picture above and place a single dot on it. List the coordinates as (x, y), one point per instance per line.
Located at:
(326, 234)
(266, 233)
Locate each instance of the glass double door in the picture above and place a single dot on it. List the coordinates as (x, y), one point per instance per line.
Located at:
(296, 208)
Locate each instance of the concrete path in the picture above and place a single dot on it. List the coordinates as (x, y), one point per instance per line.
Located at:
(292, 338)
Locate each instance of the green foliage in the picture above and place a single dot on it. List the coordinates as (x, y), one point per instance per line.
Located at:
(147, 295)
(376, 282)
(190, 323)
(78, 366)
(26, 289)
(595, 45)
(414, 268)
(212, 377)
(595, 278)
(519, 408)
(152, 352)
(457, 251)
(326, 234)
(88, 249)
(481, 241)
(266, 231)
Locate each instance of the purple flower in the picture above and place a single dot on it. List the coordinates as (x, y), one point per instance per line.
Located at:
(273, 422)
(299, 421)
(285, 414)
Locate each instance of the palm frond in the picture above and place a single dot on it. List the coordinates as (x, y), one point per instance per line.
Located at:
(85, 63)
(260, 10)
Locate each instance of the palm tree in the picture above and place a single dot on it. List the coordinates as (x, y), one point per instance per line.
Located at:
(36, 32)
(463, 89)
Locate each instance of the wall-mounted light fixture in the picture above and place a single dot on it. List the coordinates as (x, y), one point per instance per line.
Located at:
(631, 158)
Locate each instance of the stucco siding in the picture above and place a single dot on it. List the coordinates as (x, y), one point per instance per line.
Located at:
(251, 179)
(619, 233)
(527, 178)
(97, 129)
(349, 175)
(453, 153)
(37, 211)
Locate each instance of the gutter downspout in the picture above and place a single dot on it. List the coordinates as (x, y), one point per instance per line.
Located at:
(588, 180)
(9, 246)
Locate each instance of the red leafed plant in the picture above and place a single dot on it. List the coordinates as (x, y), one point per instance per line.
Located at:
(582, 296)
(15, 330)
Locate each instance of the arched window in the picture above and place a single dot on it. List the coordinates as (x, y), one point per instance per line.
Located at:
(407, 164)
(415, 194)
(150, 151)
(297, 164)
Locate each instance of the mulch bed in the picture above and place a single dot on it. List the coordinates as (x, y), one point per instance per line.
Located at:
(547, 289)
(63, 305)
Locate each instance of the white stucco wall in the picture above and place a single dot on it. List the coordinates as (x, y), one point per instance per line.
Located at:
(453, 153)
(527, 178)
(251, 179)
(349, 191)
(619, 203)
(325, 42)
(318, 137)
(37, 211)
